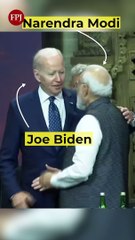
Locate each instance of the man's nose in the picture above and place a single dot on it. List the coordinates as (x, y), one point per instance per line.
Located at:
(58, 78)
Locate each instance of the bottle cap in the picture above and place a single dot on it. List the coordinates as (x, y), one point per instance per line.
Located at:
(123, 194)
(102, 194)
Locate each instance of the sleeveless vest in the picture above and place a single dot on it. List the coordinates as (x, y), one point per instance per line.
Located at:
(110, 173)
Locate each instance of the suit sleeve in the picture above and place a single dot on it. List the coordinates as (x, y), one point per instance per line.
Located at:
(9, 153)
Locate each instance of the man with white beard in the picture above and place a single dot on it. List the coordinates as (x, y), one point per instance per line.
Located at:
(102, 166)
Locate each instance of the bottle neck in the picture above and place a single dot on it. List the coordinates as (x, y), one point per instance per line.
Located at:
(123, 202)
(102, 202)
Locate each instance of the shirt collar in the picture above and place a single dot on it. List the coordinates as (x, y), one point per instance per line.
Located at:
(44, 96)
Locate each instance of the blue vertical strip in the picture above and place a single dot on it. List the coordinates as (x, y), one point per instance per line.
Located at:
(16, 54)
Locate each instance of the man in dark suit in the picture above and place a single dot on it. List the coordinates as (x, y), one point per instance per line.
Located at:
(49, 71)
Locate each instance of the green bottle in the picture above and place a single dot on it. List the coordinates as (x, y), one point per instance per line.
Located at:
(122, 200)
(102, 200)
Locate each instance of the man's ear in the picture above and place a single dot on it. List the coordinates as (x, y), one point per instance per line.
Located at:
(36, 75)
(85, 90)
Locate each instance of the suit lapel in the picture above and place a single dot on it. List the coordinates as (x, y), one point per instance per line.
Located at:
(39, 121)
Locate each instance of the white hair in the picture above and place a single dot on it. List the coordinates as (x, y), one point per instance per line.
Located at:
(78, 69)
(98, 88)
(45, 52)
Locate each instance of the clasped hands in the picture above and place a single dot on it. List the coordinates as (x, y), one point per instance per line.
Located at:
(43, 182)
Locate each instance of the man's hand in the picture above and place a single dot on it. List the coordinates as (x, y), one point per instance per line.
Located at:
(43, 182)
(128, 115)
(22, 200)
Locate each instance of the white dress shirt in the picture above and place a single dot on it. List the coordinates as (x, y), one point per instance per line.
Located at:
(84, 156)
(59, 101)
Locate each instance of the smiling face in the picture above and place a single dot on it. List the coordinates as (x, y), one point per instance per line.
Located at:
(51, 74)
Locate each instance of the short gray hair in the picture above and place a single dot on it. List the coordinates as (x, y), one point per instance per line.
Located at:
(97, 87)
(78, 69)
(37, 60)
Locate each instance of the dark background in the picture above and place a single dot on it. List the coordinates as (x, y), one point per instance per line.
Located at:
(16, 53)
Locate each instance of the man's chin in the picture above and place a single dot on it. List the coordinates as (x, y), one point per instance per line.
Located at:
(56, 91)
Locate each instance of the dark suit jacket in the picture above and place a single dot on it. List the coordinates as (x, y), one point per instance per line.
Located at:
(33, 158)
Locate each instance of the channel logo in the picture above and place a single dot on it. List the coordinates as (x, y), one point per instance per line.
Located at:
(16, 17)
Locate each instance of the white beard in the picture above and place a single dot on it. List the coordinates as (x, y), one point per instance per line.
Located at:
(80, 104)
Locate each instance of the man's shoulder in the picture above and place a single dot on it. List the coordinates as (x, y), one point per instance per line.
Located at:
(25, 98)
